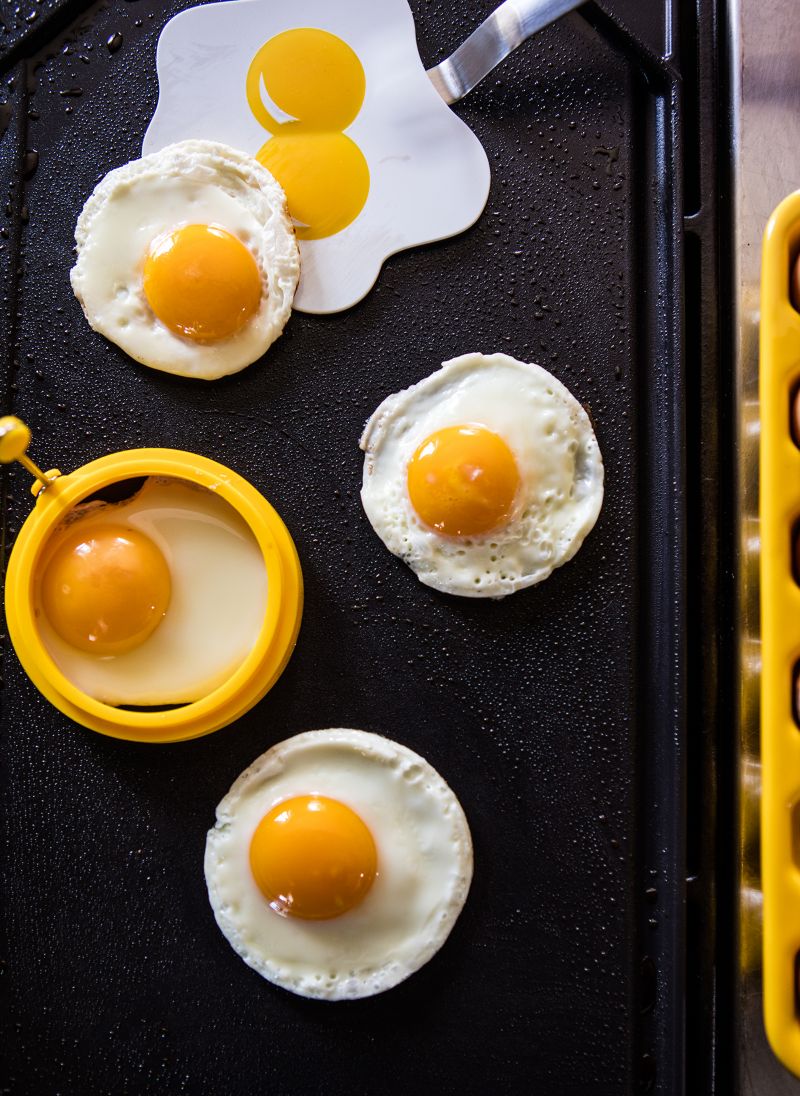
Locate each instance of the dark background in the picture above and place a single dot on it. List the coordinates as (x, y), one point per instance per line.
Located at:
(556, 715)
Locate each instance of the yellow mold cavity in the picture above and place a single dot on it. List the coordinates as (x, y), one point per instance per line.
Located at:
(780, 632)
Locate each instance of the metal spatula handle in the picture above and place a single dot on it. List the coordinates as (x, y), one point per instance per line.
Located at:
(494, 39)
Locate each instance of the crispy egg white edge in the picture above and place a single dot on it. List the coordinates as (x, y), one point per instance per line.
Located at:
(270, 765)
(278, 254)
(380, 424)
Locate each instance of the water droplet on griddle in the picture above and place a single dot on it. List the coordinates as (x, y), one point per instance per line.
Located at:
(114, 42)
(30, 162)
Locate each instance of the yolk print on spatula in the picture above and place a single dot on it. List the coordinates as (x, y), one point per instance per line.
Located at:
(323, 171)
(333, 99)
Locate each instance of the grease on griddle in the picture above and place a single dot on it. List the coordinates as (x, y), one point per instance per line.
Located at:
(612, 154)
(30, 162)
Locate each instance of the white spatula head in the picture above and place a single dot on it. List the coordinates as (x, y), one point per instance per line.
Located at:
(334, 100)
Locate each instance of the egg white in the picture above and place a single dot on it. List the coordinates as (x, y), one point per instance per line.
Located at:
(192, 182)
(217, 603)
(556, 452)
(424, 855)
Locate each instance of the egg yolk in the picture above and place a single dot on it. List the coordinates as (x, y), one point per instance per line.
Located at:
(202, 282)
(462, 480)
(105, 588)
(313, 858)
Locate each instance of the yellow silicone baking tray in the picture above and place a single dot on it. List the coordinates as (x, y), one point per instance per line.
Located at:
(780, 634)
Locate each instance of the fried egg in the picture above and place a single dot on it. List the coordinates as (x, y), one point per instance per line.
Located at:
(155, 600)
(187, 259)
(338, 864)
(484, 477)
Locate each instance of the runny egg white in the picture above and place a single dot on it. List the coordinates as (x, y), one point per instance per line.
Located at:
(484, 477)
(156, 600)
(187, 259)
(338, 864)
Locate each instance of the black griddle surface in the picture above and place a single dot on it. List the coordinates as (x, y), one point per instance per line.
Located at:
(547, 712)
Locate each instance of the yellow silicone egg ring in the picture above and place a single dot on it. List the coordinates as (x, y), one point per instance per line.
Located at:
(780, 635)
(263, 665)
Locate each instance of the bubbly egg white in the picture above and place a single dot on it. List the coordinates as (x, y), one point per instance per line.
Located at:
(217, 604)
(556, 452)
(192, 182)
(424, 854)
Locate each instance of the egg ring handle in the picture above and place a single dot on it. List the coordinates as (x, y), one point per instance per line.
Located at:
(262, 666)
